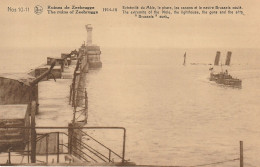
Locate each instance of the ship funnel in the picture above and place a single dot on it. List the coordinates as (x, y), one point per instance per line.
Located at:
(216, 63)
(228, 58)
(89, 34)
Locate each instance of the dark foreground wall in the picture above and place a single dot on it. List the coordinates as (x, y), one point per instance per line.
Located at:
(15, 92)
(13, 116)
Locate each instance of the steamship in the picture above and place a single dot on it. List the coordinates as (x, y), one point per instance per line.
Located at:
(224, 78)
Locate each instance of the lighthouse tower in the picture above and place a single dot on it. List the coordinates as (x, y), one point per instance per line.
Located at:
(93, 51)
(89, 34)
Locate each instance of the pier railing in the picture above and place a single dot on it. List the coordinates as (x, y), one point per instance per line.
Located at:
(78, 94)
(80, 113)
(109, 152)
(62, 147)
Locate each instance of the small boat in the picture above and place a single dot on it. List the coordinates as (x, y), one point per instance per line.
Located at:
(225, 79)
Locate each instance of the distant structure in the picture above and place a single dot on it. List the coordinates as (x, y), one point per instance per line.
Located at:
(228, 58)
(89, 34)
(93, 51)
(184, 61)
(216, 63)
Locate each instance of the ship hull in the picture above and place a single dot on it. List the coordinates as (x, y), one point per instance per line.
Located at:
(225, 79)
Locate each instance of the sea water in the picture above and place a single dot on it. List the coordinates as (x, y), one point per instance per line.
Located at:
(173, 114)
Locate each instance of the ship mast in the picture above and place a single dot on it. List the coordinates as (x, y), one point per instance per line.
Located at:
(184, 61)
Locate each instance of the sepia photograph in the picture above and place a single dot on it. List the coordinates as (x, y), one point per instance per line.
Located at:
(171, 83)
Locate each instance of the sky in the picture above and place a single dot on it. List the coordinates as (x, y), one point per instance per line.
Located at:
(117, 30)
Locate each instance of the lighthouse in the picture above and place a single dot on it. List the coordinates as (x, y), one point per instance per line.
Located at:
(89, 34)
(93, 51)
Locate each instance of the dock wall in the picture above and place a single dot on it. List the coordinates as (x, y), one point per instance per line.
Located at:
(15, 92)
(93, 53)
(12, 137)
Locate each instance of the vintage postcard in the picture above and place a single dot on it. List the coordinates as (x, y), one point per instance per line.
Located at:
(130, 83)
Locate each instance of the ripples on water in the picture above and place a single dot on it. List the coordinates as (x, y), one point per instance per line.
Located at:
(172, 113)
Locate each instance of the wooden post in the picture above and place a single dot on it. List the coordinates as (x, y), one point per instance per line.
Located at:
(73, 94)
(58, 147)
(123, 156)
(9, 156)
(28, 152)
(70, 94)
(109, 155)
(86, 106)
(33, 132)
(47, 148)
(86, 99)
(74, 83)
(70, 133)
(241, 154)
